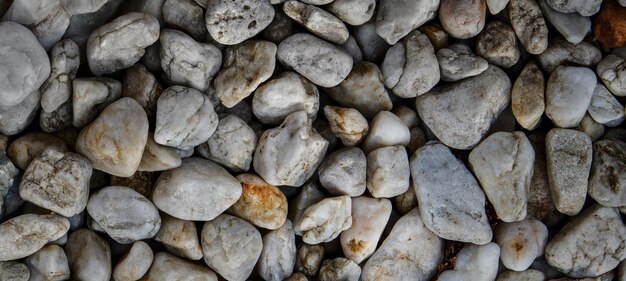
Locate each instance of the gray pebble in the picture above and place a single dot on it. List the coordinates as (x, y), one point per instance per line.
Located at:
(498, 44)
(232, 144)
(561, 52)
(607, 183)
(585, 8)
(463, 19)
(9, 176)
(572, 26)
(339, 269)
(458, 62)
(179, 237)
(325, 220)
(309, 258)
(353, 12)
(496, 6)
(48, 264)
(168, 267)
(158, 157)
(47, 21)
(347, 124)
(278, 256)
(529, 25)
(232, 22)
(14, 271)
(605, 108)
(526, 275)
(89, 256)
(185, 15)
(343, 172)
(318, 21)
(90, 96)
(309, 195)
(141, 85)
(24, 235)
(527, 96)
(15, 118)
(287, 93)
(591, 128)
(372, 45)
(386, 129)
(568, 95)
(396, 18)
(135, 263)
(388, 171)
(612, 71)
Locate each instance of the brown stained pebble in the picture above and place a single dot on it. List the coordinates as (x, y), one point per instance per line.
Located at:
(260, 203)
(609, 27)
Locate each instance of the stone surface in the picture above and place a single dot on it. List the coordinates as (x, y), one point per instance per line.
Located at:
(612, 72)
(325, 220)
(339, 269)
(142, 86)
(344, 172)
(496, 6)
(179, 237)
(135, 263)
(261, 204)
(450, 199)
(529, 25)
(90, 96)
(477, 263)
(372, 45)
(590, 127)
(561, 52)
(348, 124)
(457, 62)
(540, 203)
(572, 26)
(309, 259)
(388, 171)
(278, 256)
(568, 95)
(521, 242)
(280, 28)
(317, 21)
(285, 94)
(353, 12)
(527, 96)
(369, 217)
(158, 157)
(231, 22)
(610, 24)
(47, 21)
(386, 129)
(309, 195)
(232, 144)
(15, 271)
(498, 44)
(395, 19)
(14, 119)
(585, 8)
(526, 275)
(28, 146)
(10, 178)
(24, 235)
(169, 267)
(197, 190)
(49, 263)
(462, 19)
(605, 108)
(607, 183)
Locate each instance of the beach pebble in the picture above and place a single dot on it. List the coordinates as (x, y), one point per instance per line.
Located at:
(540, 203)
(339, 269)
(568, 154)
(521, 242)
(529, 25)
(115, 141)
(568, 95)
(185, 15)
(233, 259)
(261, 204)
(278, 256)
(28, 146)
(168, 267)
(321, 62)
(47, 21)
(406, 201)
(348, 124)
(463, 218)
(48, 264)
(198, 190)
(369, 217)
(14, 271)
(90, 96)
(326, 219)
(476, 263)
(386, 129)
(585, 8)
(463, 19)
(561, 52)
(612, 72)
(344, 172)
(158, 157)
(388, 171)
(135, 263)
(526, 275)
(572, 26)
(285, 94)
(24, 235)
(141, 85)
(179, 237)
(527, 96)
(457, 62)
(231, 145)
(232, 22)
(395, 19)
(15, 118)
(498, 44)
(353, 12)
(309, 195)
(605, 108)
(318, 21)
(607, 184)
(309, 258)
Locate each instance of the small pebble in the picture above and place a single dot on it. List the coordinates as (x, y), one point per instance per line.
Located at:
(339, 269)
(309, 258)
(529, 25)
(609, 25)
(612, 72)
(318, 21)
(14, 271)
(168, 267)
(48, 264)
(285, 94)
(526, 275)
(90, 96)
(15, 118)
(527, 96)
(88, 255)
(231, 145)
(309, 195)
(369, 217)
(386, 129)
(278, 256)
(135, 263)
(260, 204)
(568, 95)
(585, 8)
(607, 183)
(463, 19)
(605, 108)
(344, 172)
(179, 237)
(498, 44)
(572, 26)
(348, 124)
(353, 12)
(388, 171)
(25, 148)
(395, 19)
(476, 263)
(496, 6)
(158, 157)
(521, 242)
(457, 62)
(185, 15)
(142, 86)
(561, 52)
(326, 219)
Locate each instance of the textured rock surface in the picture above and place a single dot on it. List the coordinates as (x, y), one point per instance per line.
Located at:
(318, 21)
(585, 8)
(605, 108)
(231, 22)
(14, 119)
(395, 19)
(179, 237)
(529, 25)
(462, 19)
(325, 220)
(169, 267)
(388, 171)
(521, 242)
(612, 72)
(287, 93)
(90, 96)
(260, 203)
(527, 96)
(610, 24)
(458, 62)
(344, 172)
(278, 256)
(25, 148)
(135, 263)
(24, 235)
(369, 217)
(11, 270)
(607, 183)
(474, 262)
(339, 269)
(568, 95)
(231, 145)
(572, 26)
(158, 157)
(498, 44)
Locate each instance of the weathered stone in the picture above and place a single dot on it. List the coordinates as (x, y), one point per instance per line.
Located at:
(457, 62)
(572, 26)
(605, 108)
(232, 22)
(309, 259)
(232, 144)
(135, 263)
(48, 21)
(585, 8)
(285, 94)
(372, 45)
(610, 24)
(526, 275)
(142, 86)
(590, 127)
(278, 256)
(529, 25)
(496, 6)
(14, 271)
(498, 44)
(344, 172)
(369, 217)
(476, 263)
(318, 21)
(561, 52)
(395, 19)
(339, 269)
(185, 15)
(527, 96)
(612, 72)
(521, 242)
(260, 203)
(326, 219)
(462, 19)
(157, 157)
(48, 264)
(24, 235)
(309, 195)
(353, 12)
(607, 183)
(280, 28)
(386, 129)
(388, 171)
(15, 118)
(169, 267)
(90, 96)
(568, 95)
(179, 237)
(28, 146)
(540, 203)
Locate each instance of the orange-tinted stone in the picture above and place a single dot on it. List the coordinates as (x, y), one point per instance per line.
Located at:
(610, 25)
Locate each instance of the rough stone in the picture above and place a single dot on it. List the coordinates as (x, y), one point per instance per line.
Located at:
(457, 62)
(353, 12)
(607, 183)
(24, 235)
(527, 96)
(498, 44)
(232, 22)
(309, 259)
(369, 217)
(14, 271)
(568, 95)
(142, 86)
(529, 25)
(179, 237)
(612, 72)
(585, 8)
(326, 219)
(278, 256)
(285, 94)
(395, 19)
(605, 108)
(169, 267)
(339, 269)
(476, 263)
(157, 157)
(561, 52)
(90, 96)
(388, 171)
(14, 119)
(28, 146)
(344, 172)
(572, 26)
(317, 21)
(260, 203)
(232, 144)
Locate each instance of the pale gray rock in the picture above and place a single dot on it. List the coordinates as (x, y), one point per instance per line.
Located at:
(24, 235)
(607, 183)
(57, 181)
(572, 26)
(496, 6)
(198, 190)
(347, 124)
(591, 127)
(521, 242)
(309, 259)
(605, 108)
(188, 62)
(121, 42)
(460, 114)
(309, 195)
(14, 271)
(88, 255)
(245, 67)
(568, 94)
(353, 12)
(344, 172)
(321, 62)
(289, 153)
(476, 263)
(232, 144)
(135, 263)
(15, 118)
(153, 7)
(395, 19)
(527, 96)
(589, 245)
(47, 20)
(158, 157)
(141, 85)
(540, 203)
(179, 237)
(407, 115)
(561, 52)
(388, 171)
(278, 256)
(457, 62)
(463, 218)
(232, 22)
(386, 129)
(529, 25)
(233, 259)
(410, 252)
(325, 220)
(90, 96)
(503, 163)
(168, 267)
(526, 275)
(185, 15)
(568, 154)
(369, 218)
(317, 21)
(339, 269)
(285, 94)
(498, 44)
(612, 72)
(48, 264)
(260, 203)
(585, 8)
(372, 45)
(462, 19)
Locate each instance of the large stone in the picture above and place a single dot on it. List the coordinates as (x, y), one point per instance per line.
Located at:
(529, 25)
(232, 145)
(232, 22)
(24, 235)
(568, 95)
(607, 183)
(369, 218)
(395, 19)
(463, 19)
(260, 204)
(326, 219)
(285, 94)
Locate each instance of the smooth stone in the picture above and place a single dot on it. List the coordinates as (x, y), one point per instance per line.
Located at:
(48, 264)
(407, 115)
(121, 42)
(260, 204)
(135, 263)
(115, 141)
(395, 19)
(25, 148)
(612, 72)
(590, 127)
(75, 7)
(568, 154)
(348, 124)
(141, 85)
(496, 6)
(372, 45)
(233, 259)
(158, 157)
(605, 108)
(323, 221)
(232, 145)
(166, 267)
(464, 218)
(278, 256)
(344, 172)
(406, 201)
(457, 62)
(498, 44)
(15, 118)
(187, 62)
(198, 190)
(503, 163)
(438, 37)
(353, 12)
(82, 25)
(526, 275)
(47, 21)
(388, 171)
(386, 129)
(14, 271)
(589, 245)
(289, 153)
(309, 195)
(585, 8)
(25, 64)
(572, 26)
(245, 67)
(521, 242)
(231, 22)
(317, 21)
(90, 96)
(568, 94)
(461, 113)
(527, 96)
(607, 183)
(463, 19)
(321, 62)
(24, 235)
(185, 15)
(410, 252)
(285, 94)
(309, 259)
(561, 52)
(57, 181)
(179, 237)
(473, 262)
(339, 269)
(369, 217)
(363, 89)
(529, 25)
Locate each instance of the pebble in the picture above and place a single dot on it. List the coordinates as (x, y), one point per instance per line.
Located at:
(233, 259)
(245, 67)
(526, 275)
(369, 217)
(450, 199)
(612, 72)
(49, 263)
(590, 127)
(496, 6)
(158, 157)
(187, 62)
(179, 237)
(344, 172)
(568, 154)
(135, 263)
(503, 163)
(321, 62)
(141, 85)
(529, 25)
(568, 95)
(572, 26)
(410, 252)
(406, 201)
(169, 267)
(339, 269)
(14, 271)
(289, 153)
(57, 181)
(348, 124)
(473, 262)
(325, 220)
(527, 96)
(498, 44)
(309, 259)
(386, 129)
(309, 195)
(589, 245)
(185, 15)
(462, 19)
(372, 45)
(363, 89)
(15, 118)
(28, 146)
(605, 108)
(198, 190)
(121, 42)
(585, 8)
(607, 183)
(278, 256)
(609, 25)
(24, 235)
(261, 204)
(10, 178)
(232, 22)
(232, 144)
(411, 69)
(521, 242)
(318, 21)
(457, 62)
(115, 141)
(561, 52)
(395, 19)
(353, 12)
(48, 22)
(388, 171)
(90, 96)
(461, 113)
(285, 94)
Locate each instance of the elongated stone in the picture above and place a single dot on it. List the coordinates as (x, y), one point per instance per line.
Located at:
(24, 235)
(369, 217)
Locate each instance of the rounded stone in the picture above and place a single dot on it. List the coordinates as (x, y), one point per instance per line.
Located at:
(463, 18)
(26, 147)
(168, 267)
(260, 203)
(521, 242)
(48, 264)
(348, 124)
(24, 235)
(527, 96)
(498, 44)
(344, 172)
(326, 219)
(89, 256)
(135, 263)
(395, 19)
(179, 237)
(285, 94)
(232, 22)
(568, 95)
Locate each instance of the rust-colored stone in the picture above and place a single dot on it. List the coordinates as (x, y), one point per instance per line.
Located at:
(610, 25)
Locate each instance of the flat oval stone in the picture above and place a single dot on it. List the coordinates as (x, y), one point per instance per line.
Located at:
(463, 18)
(278, 256)
(561, 52)
(395, 19)
(318, 21)
(135, 263)
(607, 183)
(232, 145)
(348, 124)
(529, 25)
(232, 22)
(26, 147)
(168, 267)
(568, 95)
(521, 242)
(353, 12)
(158, 157)
(49, 263)
(344, 172)
(388, 171)
(179, 237)
(369, 217)
(605, 108)
(326, 219)
(527, 96)
(89, 256)
(24, 235)
(197, 190)
(285, 94)
(260, 203)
